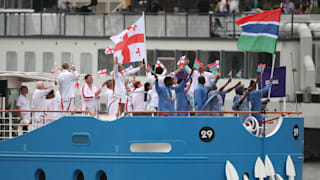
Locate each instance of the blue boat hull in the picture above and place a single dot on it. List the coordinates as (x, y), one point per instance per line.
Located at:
(73, 144)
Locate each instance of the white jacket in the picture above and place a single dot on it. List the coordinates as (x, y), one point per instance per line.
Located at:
(66, 81)
(207, 75)
(120, 81)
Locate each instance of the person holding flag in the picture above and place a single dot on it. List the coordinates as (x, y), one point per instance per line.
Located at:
(199, 71)
(255, 97)
(90, 94)
(166, 101)
(182, 100)
(120, 83)
(66, 86)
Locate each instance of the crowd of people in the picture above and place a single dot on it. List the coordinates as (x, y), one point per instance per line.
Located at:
(162, 91)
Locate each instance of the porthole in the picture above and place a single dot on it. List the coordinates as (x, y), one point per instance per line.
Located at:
(40, 175)
(78, 175)
(101, 175)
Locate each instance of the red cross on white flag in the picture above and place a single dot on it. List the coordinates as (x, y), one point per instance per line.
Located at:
(130, 45)
(102, 73)
(58, 69)
(109, 50)
(181, 61)
(159, 64)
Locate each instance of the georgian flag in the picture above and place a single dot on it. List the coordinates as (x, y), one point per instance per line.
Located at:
(109, 50)
(159, 64)
(181, 61)
(130, 45)
(102, 73)
(58, 69)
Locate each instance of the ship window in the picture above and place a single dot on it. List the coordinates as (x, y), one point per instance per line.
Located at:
(40, 175)
(48, 62)
(66, 57)
(233, 61)
(101, 175)
(80, 139)
(256, 58)
(78, 175)
(105, 61)
(86, 63)
(208, 57)
(12, 61)
(151, 147)
(29, 62)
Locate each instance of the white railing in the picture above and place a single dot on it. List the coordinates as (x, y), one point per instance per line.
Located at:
(11, 125)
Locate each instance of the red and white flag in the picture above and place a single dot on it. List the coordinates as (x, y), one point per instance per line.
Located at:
(127, 69)
(102, 73)
(181, 61)
(77, 85)
(159, 64)
(58, 69)
(130, 45)
(109, 50)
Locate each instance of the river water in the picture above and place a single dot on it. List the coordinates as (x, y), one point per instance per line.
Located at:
(311, 170)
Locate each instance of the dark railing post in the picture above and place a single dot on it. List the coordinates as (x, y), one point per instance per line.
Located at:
(104, 25)
(65, 24)
(210, 24)
(234, 24)
(41, 22)
(24, 24)
(5, 24)
(165, 24)
(124, 21)
(187, 26)
(292, 25)
(84, 25)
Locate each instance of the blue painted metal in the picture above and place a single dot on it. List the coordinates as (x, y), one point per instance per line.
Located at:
(52, 150)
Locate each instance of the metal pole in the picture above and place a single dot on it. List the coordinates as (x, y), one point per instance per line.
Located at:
(145, 42)
(292, 25)
(10, 124)
(272, 70)
(294, 82)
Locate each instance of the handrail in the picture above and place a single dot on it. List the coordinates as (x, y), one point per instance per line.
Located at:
(225, 112)
(90, 112)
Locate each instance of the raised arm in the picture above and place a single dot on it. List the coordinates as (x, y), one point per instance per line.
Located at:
(182, 85)
(212, 83)
(230, 89)
(225, 85)
(116, 67)
(267, 87)
(134, 70)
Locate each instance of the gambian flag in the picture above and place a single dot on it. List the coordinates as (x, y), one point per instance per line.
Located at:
(230, 73)
(260, 31)
(239, 74)
(196, 64)
(214, 66)
(148, 69)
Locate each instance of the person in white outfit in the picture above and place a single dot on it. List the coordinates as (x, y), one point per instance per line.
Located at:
(233, 6)
(23, 104)
(90, 94)
(111, 101)
(66, 85)
(53, 103)
(39, 103)
(120, 83)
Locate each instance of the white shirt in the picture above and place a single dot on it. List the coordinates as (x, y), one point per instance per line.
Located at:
(66, 83)
(111, 102)
(53, 104)
(207, 75)
(120, 81)
(39, 98)
(223, 7)
(89, 99)
(23, 102)
(138, 103)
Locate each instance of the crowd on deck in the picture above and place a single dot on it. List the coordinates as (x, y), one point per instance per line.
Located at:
(186, 89)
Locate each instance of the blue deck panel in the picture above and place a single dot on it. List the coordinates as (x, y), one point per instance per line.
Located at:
(51, 149)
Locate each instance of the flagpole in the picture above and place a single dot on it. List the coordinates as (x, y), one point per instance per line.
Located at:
(272, 70)
(145, 42)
